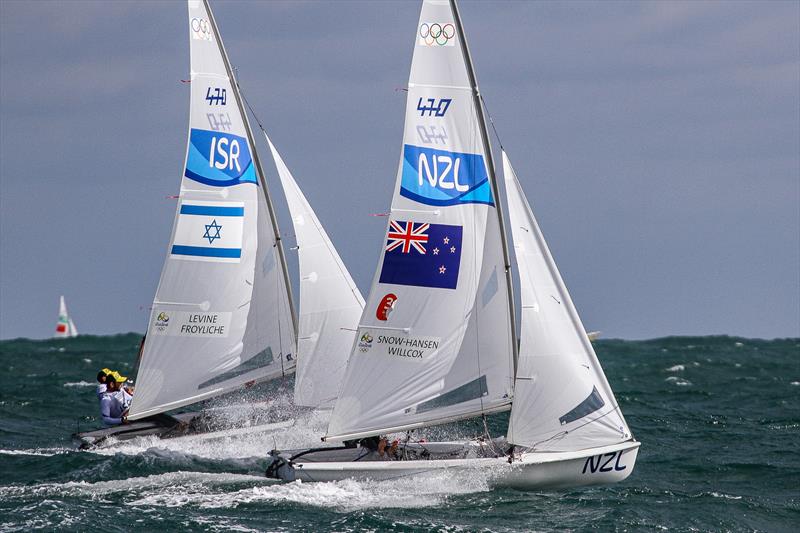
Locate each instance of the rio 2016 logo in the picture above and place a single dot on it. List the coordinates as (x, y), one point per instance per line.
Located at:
(437, 34)
(365, 342)
(162, 321)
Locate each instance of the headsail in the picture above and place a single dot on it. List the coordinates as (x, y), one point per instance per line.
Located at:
(330, 302)
(222, 314)
(434, 341)
(64, 327)
(562, 400)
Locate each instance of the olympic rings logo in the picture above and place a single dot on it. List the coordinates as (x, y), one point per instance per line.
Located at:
(201, 29)
(435, 33)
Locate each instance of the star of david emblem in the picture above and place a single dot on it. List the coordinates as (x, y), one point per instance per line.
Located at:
(212, 231)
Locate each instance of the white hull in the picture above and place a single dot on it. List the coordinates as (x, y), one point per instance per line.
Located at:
(532, 471)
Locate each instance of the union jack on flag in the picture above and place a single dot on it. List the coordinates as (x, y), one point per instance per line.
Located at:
(435, 259)
(408, 236)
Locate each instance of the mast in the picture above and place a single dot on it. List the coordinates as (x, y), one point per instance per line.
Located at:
(492, 177)
(261, 176)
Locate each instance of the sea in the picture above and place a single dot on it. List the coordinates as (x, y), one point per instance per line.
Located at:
(718, 418)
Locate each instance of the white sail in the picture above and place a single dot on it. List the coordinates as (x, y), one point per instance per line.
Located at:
(64, 327)
(434, 341)
(222, 314)
(330, 303)
(562, 400)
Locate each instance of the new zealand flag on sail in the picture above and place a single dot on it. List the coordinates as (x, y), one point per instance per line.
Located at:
(422, 255)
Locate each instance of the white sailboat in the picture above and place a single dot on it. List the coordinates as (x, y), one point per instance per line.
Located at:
(223, 316)
(449, 350)
(64, 327)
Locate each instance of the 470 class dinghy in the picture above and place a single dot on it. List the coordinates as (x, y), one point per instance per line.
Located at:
(223, 316)
(437, 342)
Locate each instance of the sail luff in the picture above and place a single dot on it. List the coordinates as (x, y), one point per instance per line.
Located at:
(487, 147)
(259, 169)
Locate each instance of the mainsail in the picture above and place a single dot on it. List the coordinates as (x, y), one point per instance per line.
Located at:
(64, 327)
(330, 302)
(222, 315)
(562, 400)
(434, 343)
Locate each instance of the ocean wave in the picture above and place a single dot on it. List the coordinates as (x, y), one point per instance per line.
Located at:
(344, 496)
(78, 384)
(42, 452)
(680, 382)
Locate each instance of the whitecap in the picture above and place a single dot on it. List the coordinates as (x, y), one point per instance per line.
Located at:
(234, 443)
(424, 490)
(726, 496)
(676, 368)
(78, 384)
(43, 452)
(678, 381)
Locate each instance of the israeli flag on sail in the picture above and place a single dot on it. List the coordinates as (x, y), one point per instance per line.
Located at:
(209, 231)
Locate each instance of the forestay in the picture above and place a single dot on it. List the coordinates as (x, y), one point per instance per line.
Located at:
(222, 314)
(434, 341)
(562, 400)
(330, 302)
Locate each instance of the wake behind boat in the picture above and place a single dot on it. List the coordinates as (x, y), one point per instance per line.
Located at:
(437, 341)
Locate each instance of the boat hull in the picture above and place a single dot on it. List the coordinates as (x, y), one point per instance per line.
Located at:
(529, 471)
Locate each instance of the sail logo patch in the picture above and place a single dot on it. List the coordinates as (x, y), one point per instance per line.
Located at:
(209, 231)
(385, 307)
(365, 342)
(444, 178)
(193, 324)
(433, 107)
(200, 29)
(219, 159)
(422, 255)
(437, 34)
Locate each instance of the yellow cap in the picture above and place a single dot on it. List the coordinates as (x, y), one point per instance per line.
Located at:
(115, 375)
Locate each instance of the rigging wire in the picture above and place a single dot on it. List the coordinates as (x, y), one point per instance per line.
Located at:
(491, 121)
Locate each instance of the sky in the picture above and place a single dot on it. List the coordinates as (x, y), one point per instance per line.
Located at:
(658, 144)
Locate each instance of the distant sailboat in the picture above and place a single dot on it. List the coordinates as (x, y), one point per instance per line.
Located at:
(449, 350)
(223, 315)
(65, 327)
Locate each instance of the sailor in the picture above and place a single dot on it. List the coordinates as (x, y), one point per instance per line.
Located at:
(124, 391)
(112, 410)
(101, 382)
